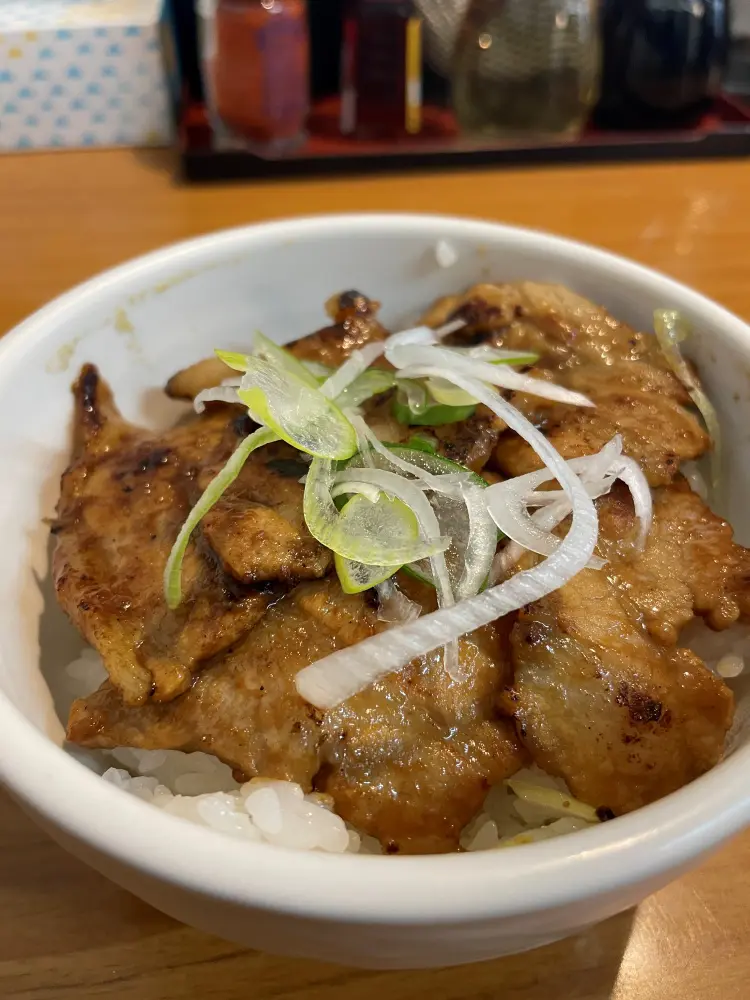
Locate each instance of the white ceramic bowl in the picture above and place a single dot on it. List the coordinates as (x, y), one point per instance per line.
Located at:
(140, 323)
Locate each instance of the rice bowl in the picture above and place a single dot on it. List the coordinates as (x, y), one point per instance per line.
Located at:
(508, 906)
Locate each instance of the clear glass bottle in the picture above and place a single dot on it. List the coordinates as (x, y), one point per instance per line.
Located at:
(527, 68)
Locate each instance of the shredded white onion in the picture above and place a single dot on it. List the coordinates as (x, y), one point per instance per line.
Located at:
(485, 352)
(446, 483)
(598, 474)
(417, 335)
(671, 329)
(508, 501)
(410, 359)
(546, 519)
(696, 479)
(351, 369)
(481, 543)
(371, 493)
(395, 608)
(630, 473)
(361, 359)
(342, 674)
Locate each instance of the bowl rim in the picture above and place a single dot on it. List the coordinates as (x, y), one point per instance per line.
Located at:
(441, 889)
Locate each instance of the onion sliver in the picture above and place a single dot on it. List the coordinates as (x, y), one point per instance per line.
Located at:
(411, 359)
(358, 362)
(598, 474)
(215, 489)
(552, 799)
(630, 473)
(339, 676)
(498, 355)
(546, 519)
(395, 607)
(417, 335)
(508, 501)
(441, 483)
(671, 328)
(372, 540)
(424, 334)
(481, 544)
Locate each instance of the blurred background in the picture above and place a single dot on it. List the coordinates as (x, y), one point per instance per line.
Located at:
(263, 87)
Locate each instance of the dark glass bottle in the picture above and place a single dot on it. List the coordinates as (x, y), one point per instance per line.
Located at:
(381, 88)
(663, 61)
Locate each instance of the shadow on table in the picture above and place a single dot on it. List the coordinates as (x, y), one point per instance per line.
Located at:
(158, 160)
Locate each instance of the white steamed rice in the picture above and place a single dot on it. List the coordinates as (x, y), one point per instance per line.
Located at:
(199, 788)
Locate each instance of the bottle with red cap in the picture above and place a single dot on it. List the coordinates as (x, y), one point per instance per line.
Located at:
(258, 61)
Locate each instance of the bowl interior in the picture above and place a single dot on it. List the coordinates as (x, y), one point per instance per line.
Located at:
(142, 322)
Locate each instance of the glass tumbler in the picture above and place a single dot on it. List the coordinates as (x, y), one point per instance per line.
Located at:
(527, 68)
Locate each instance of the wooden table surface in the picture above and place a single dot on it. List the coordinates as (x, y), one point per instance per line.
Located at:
(64, 930)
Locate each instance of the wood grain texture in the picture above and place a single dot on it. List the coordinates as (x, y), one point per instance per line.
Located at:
(65, 931)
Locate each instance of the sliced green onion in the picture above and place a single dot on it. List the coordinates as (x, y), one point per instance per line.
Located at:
(461, 515)
(299, 414)
(372, 534)
(213, 492)
(423, 442)
(233, 359)
(449, 395)
(356, 577)
(270, 351)
(671, 330)
(433, 415)
(411, 492)
(372, 382)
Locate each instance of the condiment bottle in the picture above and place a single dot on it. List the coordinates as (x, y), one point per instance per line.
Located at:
(259, 69)
(527, 69)
(663, 61)
(381, 69)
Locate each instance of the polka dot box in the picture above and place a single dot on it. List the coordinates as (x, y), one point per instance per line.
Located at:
(76, 74)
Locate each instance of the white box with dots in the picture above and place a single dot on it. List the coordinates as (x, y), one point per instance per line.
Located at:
(76, 74)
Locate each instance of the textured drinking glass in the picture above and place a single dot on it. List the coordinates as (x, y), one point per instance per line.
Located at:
(526, 68)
